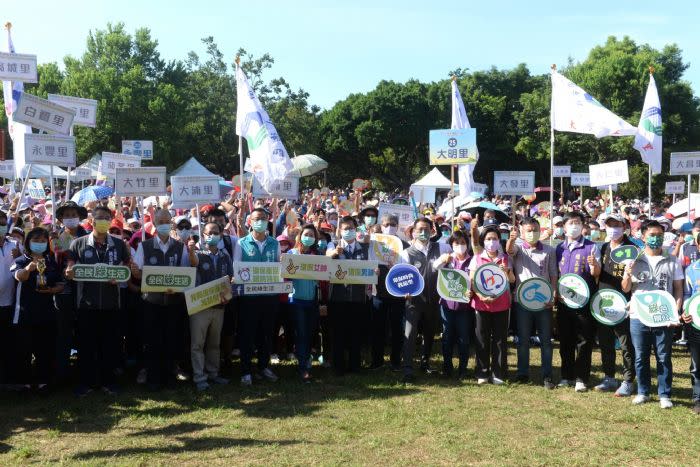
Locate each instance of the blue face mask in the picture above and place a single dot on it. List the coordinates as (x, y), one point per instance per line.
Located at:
(307, 241)
(38, 247)
(163, 229)
(322, 245)
(348, 235)
(213, 240)
(423, 236)
(259, 225)
(3, 230)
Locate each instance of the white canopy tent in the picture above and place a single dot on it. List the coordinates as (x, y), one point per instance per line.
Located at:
(192, 168)
(425, 188)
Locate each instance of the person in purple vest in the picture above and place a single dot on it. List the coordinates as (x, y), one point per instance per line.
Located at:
(576, 326)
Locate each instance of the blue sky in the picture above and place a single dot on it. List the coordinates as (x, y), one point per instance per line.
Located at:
(334, 48)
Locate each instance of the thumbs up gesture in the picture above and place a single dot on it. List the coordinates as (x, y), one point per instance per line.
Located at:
(593, 264)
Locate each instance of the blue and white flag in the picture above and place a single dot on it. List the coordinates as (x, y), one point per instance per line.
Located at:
(460, 120)
(11, 92)
(269, 160)
(648, 140)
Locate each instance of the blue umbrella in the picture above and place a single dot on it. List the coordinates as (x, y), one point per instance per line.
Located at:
(92, 193)
(478, 207)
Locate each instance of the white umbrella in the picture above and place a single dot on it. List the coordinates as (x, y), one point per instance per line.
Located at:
(307, 164)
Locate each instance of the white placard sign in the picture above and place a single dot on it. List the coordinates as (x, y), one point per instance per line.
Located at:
(188, 191)
(85, 109)
(43, 115)
(143, 149)
(514, 183)
(608, 173)
(111, 161)
(685, 163)
(81, 173)
(18, 67)
(36, 189)
(406, 214)
(140, 181)
(7, 169)
(580, 179)
(675, 188)
(562, 170)
(49, 149)
(287, 188)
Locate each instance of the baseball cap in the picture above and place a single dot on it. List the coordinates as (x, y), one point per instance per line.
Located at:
(557, 220)
(488, 222)
(615, 217)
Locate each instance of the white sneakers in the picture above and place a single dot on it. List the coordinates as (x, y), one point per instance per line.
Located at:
(665, 403)
(580, 387)
(564, 383)
(498, 381)
(640, 399)
(481, 381)
(269, 375)
(607, 385)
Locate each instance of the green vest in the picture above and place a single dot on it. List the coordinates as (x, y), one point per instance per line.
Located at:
(251, 253)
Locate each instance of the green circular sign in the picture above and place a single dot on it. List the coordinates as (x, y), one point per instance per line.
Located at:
(533, 294)
(656, 308)
(490, 280)
(624, 253)
(692, 307)
(609, 307)
(573, 290)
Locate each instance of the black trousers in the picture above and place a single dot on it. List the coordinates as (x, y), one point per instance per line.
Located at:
(491, 344)
(256, 322)
(160, 341)
(576, 334)
(387, 311)
(6, 343)
(606, 340)
(99, 346)
(39, 341)
(346, 328)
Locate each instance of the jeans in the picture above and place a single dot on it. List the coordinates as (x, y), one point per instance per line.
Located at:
(205, 337)
(456, 328)
(305, 316)
(576, 335)
(257, 320)
(543, 323)
(393, 310)
(643, 339)
(694, 348)
(606, 339)
(491, 343)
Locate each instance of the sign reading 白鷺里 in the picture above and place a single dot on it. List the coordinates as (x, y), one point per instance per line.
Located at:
(351, 271)
(312, 267)
(49, 149)
(164, 278)
(453, 146)
(85, 109)
(140, 181)
(43, 115)
(514, 183)
(208, 295)
(188, 191)
(608, 173)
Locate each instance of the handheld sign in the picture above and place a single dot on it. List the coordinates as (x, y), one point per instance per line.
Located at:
(100, 273)
(404, 279)
(453, 285)
(311, 267)
(360, 184)
(534, 294)
(385, 248)
(624, 253)
(352, 271)
(164, 278)
(490, 280)
(609, 307)
(256, 272)
(692, 307)
(573, 291)
(656, 308)
(208, 295)
(274, 288)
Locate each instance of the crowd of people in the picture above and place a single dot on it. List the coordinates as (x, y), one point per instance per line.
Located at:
(94, 335)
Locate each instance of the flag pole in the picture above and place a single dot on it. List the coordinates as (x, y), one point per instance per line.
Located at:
(651, 72)
(240, 138)
(452, 193)
(551, 166)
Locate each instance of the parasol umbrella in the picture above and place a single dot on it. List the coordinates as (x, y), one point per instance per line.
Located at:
(542, 194)
(92, 193)
(225, 188)
(307, 164)
(478, 207)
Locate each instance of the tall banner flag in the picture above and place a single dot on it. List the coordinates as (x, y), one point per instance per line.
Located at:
(11, 91)
(460, 120)
(269, 159)
(648, 140)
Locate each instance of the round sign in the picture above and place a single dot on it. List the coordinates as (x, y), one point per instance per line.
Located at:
(453, 284)
(692, 307)
(656, 308)
(609, 307)
(291, 218)
(624, 253)
(346, 207)
(325, 190)
(534, 293)
(490, 280)
(573, 291)
(359, 184)
(404, 279)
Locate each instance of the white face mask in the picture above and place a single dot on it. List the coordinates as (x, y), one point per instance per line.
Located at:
(461, 250)
(614, 233)
(390, 230)
(573, 231)
(71, 222)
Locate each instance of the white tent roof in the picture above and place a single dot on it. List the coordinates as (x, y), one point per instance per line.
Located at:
(191, 168)
(435, 179)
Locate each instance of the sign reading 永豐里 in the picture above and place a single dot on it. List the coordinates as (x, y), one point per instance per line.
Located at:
(352, 271)
(111, 161)
(143, 149)
(188, 191)
(674, 188)
(287, 188)
(685, 163)
(385, 248)
(49, 149)
(580, 179)
(85, 109)
(312, 267)
(453, 285)
(36, 189)
(140, 181)
(454, 146)
(256, 272)
(608, 173)
(164, 278)
(43, 115)
(100, 273)
(404, 279)
(7, 169)
(609, 307)
(562, 170)
(208, 295)
(18, 67)
(514, 183)
(656, 308)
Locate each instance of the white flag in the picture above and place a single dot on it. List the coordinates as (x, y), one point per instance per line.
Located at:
(576, 111)
(269, 159)
(465, 172)
(648, 140)
(11, 92)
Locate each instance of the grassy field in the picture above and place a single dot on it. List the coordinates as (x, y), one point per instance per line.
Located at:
(366, 419)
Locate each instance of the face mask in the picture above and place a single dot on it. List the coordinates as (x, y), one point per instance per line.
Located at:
(504, 236)
(390, 230)
(213, 240)
(573, 231)
(333, 222)
(654, 242)
(184, 234)
(322, 245)
(614, 233)
(559, 231)
(688, 238)
(423, 236)
(532, 237)
(37, 247)
(595, 235)
(71, 222)
(633, 217)
(163, 229)
(445, 233)
(370, 220)
(348, 235)
(3, 230)
(102, 226)
(259, 226)
(587, 237)
(307, 241)
(461, 250)
(491, 245)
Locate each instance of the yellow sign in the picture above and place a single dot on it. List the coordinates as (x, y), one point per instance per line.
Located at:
(312, 267)
(353, 271)
(386, 248)
(208, 295)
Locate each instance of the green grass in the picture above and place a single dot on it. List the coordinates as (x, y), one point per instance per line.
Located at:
(367, 419)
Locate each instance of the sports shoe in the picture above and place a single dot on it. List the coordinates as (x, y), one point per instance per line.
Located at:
(274, 359)
(246, 380)
(640, 399)
(236, 353)
(291, 356)
(548, 384)
(625, 389)
(665, 403)
(497, 381)
(202, 386)
(269, 375)
(481, 381)
(219, 380)
(580, 387)
(142, 376)
(564, 383)
(608, 384)
(180, 375)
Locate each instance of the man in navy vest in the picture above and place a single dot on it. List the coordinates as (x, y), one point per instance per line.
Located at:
(257, 313)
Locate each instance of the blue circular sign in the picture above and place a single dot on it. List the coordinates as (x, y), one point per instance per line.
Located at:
(404, 279)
